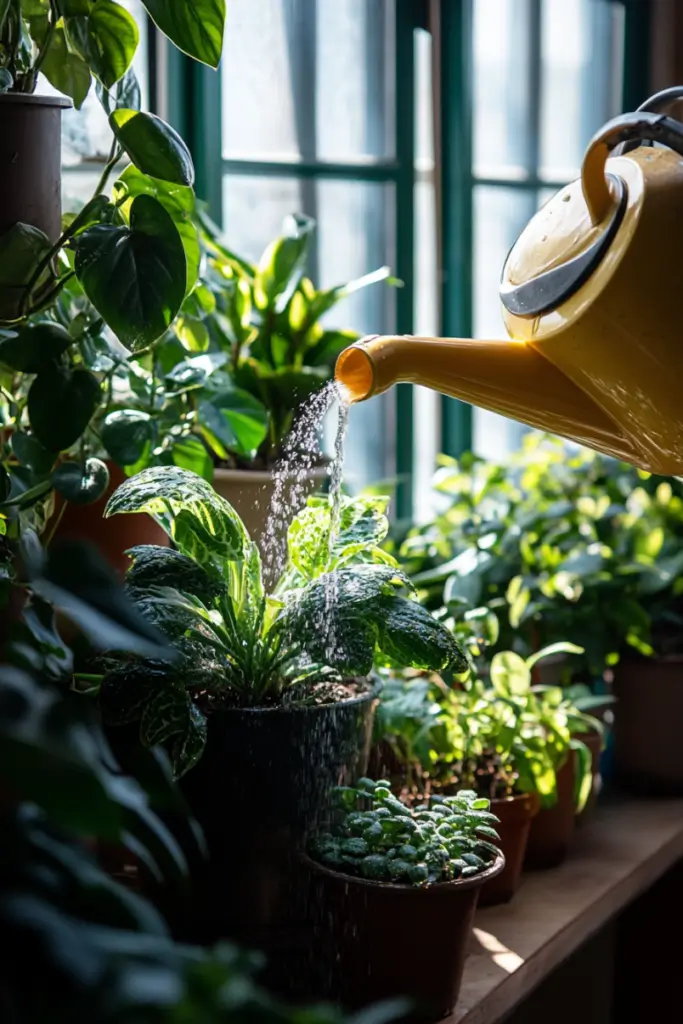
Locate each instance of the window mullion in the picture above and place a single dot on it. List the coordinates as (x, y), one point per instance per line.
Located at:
(453, 46)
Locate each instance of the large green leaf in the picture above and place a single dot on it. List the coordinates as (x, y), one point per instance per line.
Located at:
(177, 200)
(35, 348)
(190, 453)
(61, 404)
(237, 419)
(362, 527)
(195, 26)
(410, 637)
(154, 147)
(126, 434)
(22, 247)
(66, 70)
(282, 264)
(106, 38)
(153, 566)
(135, 276)
(202, 524)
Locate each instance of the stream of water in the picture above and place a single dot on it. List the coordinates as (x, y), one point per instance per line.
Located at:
(294, 475)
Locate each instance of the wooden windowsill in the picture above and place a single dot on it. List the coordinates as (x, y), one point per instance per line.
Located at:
(616, 856)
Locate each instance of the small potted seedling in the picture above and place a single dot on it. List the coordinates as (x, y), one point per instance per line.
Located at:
(395, 889)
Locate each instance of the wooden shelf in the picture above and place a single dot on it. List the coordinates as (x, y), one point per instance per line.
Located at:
(617, 855)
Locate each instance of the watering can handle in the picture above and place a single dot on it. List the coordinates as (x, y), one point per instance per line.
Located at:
(627, 128)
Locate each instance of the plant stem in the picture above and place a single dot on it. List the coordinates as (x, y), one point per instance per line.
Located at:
(115, 154)
(49, 36)
(56, 523)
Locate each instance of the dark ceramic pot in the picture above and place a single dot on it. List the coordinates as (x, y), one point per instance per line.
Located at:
(376, 941)
(648, 756)
(515, 815)
(264, 781)
(553, 827)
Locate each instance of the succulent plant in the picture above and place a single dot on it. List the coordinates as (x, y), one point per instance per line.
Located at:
(382, 839)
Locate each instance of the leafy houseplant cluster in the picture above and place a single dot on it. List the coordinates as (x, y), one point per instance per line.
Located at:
(380, 838)
(340, 605)
(560, 545)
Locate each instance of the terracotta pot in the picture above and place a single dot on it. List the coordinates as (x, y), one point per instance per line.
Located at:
(515, 814)
(376, 941)
(593, 741)
(250, 492)
(553, 827)
(30, 173)
(113, 537)
(648, 754)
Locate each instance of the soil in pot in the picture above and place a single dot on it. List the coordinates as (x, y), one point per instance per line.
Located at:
(263, 782)
(553, 827)
(375, 941)
(515, 814)
(648, 755)
(112, 537)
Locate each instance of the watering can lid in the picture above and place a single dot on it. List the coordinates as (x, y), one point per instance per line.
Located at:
(558, 250)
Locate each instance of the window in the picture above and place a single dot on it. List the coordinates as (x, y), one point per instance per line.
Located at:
(546, 76)
(421, 134)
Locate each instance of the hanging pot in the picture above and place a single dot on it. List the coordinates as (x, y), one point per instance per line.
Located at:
(31, 162)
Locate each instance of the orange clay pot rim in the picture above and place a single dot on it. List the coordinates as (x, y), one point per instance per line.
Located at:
(438, 888)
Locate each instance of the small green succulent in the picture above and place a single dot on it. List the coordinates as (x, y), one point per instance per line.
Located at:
(382, 839)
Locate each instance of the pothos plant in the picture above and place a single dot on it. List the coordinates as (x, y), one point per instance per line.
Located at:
(110, 286)
(379, 838)
(558, 543)
(341, 606)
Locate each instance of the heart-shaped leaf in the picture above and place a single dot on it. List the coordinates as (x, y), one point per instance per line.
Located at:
(125, 434)
(196, 27)
(135, 276)
(177, 200)
(154, 147)
(190, 453)
(30, 453)
(113, 38)
(66, 70)
(61, 404)
(36, 347)
(81, 484)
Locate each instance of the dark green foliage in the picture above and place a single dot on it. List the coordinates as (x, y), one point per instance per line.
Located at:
(381, 839)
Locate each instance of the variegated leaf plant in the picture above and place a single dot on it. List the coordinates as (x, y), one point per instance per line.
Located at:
(338, 609)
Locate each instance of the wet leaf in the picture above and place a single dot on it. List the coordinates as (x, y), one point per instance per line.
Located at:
(153, 145)
(126, 434)
(81, 483)
(154, 566)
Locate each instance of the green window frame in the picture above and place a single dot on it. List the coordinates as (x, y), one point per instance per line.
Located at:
(192, 101)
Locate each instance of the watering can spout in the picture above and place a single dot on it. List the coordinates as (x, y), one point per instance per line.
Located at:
(506, 377)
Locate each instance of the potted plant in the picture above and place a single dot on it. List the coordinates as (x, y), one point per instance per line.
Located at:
(540, 731)
(270, 691)
(83, 294)
(269, 321)
(386, 877)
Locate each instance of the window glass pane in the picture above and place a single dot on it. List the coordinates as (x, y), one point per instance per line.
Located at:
(426, 440)
(307, 79)
(499, 216)
(355, 235)
(581, 77)
(501, 60)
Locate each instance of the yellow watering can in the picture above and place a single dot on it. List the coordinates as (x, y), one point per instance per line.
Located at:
(592, 298)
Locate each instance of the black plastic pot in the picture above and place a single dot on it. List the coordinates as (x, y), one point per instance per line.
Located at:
(31, 162)
(376, 941)
(263, 782)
